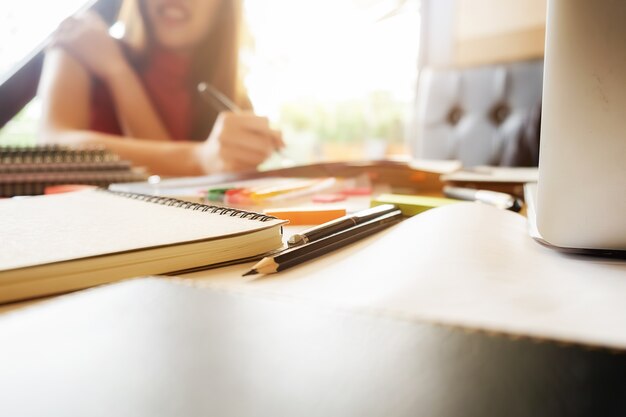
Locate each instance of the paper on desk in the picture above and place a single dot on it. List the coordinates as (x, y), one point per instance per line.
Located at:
(468, 265)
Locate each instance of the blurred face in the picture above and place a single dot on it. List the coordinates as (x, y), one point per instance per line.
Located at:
(180, 25)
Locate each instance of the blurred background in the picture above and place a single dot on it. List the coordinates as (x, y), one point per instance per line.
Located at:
(341, 78)
(331, 73)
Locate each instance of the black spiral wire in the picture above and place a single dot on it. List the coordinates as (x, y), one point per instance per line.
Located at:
(187, 205)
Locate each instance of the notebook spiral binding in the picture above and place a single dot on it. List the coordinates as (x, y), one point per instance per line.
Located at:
(187, 205)
(54, 154)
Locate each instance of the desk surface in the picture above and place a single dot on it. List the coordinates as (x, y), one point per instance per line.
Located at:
(344, 335)
(151, 348)
(477, 277)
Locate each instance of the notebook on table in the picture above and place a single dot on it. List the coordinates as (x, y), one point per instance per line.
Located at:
(59, 243)
(29, 170)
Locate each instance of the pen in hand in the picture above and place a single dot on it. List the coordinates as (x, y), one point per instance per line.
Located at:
(221, 102)
(216, 99)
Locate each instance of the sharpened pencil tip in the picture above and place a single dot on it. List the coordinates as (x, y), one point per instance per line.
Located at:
(250, 272)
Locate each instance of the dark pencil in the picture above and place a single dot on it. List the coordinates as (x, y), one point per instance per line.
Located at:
(299, 254)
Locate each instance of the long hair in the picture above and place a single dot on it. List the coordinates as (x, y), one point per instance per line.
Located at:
(215, 60)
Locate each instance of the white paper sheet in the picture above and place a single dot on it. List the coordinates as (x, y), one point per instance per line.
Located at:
(466, 265)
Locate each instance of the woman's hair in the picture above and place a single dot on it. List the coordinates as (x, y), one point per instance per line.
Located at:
(216, 59)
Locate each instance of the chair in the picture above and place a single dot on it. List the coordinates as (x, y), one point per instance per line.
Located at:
(476, 115)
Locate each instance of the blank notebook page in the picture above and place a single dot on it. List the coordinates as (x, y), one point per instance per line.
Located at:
(60, 227)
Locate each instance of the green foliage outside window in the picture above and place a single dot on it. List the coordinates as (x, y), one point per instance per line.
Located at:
(378, 116)
(22, 129)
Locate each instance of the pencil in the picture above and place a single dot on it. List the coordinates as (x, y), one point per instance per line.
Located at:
(299, 254)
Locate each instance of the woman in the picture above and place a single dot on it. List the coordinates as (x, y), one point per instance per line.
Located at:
(139, 98)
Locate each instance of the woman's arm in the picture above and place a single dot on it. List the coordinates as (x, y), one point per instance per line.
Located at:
(65, 93)
(237, 141)
(87, 39)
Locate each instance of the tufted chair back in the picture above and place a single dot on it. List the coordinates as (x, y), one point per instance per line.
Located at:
(474, 114)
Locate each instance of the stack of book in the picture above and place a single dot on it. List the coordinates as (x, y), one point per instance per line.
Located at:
(29, 170)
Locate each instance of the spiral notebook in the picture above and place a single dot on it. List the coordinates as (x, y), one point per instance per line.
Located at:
(29, 170)
(59, 243)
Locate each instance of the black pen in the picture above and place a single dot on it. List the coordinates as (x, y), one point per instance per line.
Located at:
(342, 223)
(299, 254)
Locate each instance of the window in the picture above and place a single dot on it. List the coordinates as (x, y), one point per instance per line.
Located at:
(24, 24)
(337, 76)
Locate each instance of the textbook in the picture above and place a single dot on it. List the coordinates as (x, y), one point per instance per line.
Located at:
(64, 242)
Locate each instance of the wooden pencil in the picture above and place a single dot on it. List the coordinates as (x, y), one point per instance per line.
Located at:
(299, 254)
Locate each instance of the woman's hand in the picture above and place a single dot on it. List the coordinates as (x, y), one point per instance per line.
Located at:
(238, 142)
(87, 39)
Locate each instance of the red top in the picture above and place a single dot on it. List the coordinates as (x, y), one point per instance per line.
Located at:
(165, 77)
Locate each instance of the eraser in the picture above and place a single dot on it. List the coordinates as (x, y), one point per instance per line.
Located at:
(67, 188)
(354, 191)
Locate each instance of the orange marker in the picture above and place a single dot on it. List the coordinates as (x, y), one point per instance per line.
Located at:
(306, 216)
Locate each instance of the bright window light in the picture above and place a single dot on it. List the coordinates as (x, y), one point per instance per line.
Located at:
(335, 75)
(24, 25)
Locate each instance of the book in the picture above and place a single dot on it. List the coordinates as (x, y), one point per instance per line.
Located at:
(64, 242)
(29, 170)
(160, 348)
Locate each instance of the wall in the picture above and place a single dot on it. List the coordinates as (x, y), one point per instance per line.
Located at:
(437, 33)
(490, 31)
(477, 32)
